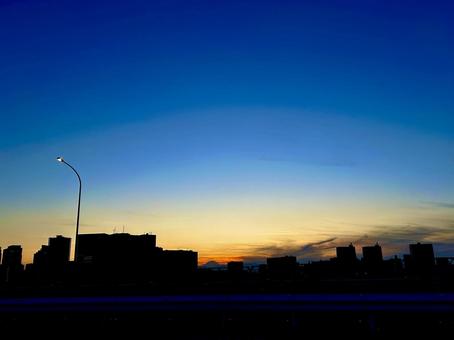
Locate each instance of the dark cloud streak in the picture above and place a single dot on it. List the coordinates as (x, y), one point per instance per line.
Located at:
(394, 239)
(446, 205)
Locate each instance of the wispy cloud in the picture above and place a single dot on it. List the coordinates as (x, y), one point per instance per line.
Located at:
(310, 250)
(447, 205)
(394, 239)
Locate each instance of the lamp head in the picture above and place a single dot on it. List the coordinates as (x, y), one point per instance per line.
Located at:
(60, 159)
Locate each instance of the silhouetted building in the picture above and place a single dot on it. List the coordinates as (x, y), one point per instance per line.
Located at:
(408, 263)
(320, 269)
(263, 270)
(444, 261)
(12, 256)
(392, 266)
(41, 258)
(59, 250)
(372, 255)
(422, 253)
(12, 263)
(178, 262)
(372, 259)
(51, 261)
(282, 267)
(346, 256)
(235, 267)
(117, 257)
(115, 249)
(421, 258)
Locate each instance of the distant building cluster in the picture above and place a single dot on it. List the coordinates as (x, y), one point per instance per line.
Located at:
(124, 258)
(420, 261)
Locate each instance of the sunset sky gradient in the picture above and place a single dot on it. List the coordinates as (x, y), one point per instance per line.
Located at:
(240, 129)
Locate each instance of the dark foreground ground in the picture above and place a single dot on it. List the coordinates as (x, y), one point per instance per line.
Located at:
(236, 316)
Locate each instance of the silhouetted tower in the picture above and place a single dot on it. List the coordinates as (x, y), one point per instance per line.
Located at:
(53, 256)
(41, 257)
(421, 257)
(12, 262)
(59, 250)
(372, 255)
(373, 259)
(346, 256)
(12, 257)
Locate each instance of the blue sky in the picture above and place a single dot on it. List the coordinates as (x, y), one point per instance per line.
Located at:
(181, 115)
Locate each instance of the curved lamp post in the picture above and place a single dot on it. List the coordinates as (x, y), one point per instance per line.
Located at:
(61, 160)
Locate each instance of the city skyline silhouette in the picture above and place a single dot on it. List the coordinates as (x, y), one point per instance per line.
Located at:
(330, 245)
(241, 169)
(137, 257)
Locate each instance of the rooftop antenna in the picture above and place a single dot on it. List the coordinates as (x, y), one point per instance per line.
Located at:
(114, 229)
(123, 228)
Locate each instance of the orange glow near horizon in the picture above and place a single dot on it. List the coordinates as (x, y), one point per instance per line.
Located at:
(232, 231)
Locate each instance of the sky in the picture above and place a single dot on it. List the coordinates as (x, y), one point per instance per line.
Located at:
(239, 129)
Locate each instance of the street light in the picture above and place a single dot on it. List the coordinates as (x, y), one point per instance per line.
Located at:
(61, 160)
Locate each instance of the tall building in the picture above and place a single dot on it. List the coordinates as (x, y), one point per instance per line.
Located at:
(41, 257)
(372, 255)
(12, 256)
(421, 257)
(59, 250)
(12, 263)
(346, 256)
(52, 258)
